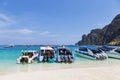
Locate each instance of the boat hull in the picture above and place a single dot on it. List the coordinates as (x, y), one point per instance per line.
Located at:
(113, 55)
(84, 55)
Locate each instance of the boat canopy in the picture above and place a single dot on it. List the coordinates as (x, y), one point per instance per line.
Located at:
(29, 51)
(46, 48)
(112, 47)
(89, 47)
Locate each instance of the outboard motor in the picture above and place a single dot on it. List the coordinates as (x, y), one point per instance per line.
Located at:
(97, 56)
(24, 60)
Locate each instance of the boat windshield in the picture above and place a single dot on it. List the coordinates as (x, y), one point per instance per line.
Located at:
(64, 52)
(83, 49)
(96, 51)
(107, 48)
(117, 50)
(48, 53)
(30, 54)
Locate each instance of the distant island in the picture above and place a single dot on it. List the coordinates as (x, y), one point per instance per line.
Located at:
(109, 35)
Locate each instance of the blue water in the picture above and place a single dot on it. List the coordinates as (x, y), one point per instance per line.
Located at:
(8, 58)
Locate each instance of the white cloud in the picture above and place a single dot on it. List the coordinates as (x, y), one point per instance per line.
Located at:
(54, 35)
(49, 34)
(25, 31)
(44, 33)
(16, 31)
(6, 31)
(99, 24)
(5, 20)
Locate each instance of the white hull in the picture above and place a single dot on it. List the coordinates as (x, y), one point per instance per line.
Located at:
(85, 56)
(30, 60)
(90, 55)
(113, 55)
(66, 58)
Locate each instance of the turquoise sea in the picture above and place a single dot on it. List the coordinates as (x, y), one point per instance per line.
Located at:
(8, 58)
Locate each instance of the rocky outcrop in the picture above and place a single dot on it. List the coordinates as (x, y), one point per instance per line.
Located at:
(109, 35)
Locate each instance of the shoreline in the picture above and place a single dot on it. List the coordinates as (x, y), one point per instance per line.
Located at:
(92, 71)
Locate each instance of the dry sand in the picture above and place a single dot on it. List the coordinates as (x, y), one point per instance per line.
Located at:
(109, 71)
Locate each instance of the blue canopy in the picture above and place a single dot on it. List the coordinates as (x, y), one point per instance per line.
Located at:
(89, 47)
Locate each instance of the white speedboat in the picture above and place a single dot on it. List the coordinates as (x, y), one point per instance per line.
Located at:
(91, 52)
(47, 54)
(28, 56)
(9, 46)
(111, 51)
(64, 55)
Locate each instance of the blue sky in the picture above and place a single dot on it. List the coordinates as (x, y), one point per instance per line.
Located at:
(53, 21)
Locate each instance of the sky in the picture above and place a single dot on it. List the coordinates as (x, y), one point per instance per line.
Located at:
(53, 21)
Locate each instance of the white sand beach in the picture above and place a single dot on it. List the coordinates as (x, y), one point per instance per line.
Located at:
(98, 71)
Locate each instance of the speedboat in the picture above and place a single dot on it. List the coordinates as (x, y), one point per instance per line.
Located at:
(106, 48)
(64, 55)
(111, 51)
(28, 56)
(91, 52)
(9, 46)
(47, 54)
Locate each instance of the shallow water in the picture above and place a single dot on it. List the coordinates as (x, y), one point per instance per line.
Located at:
(8, 58)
